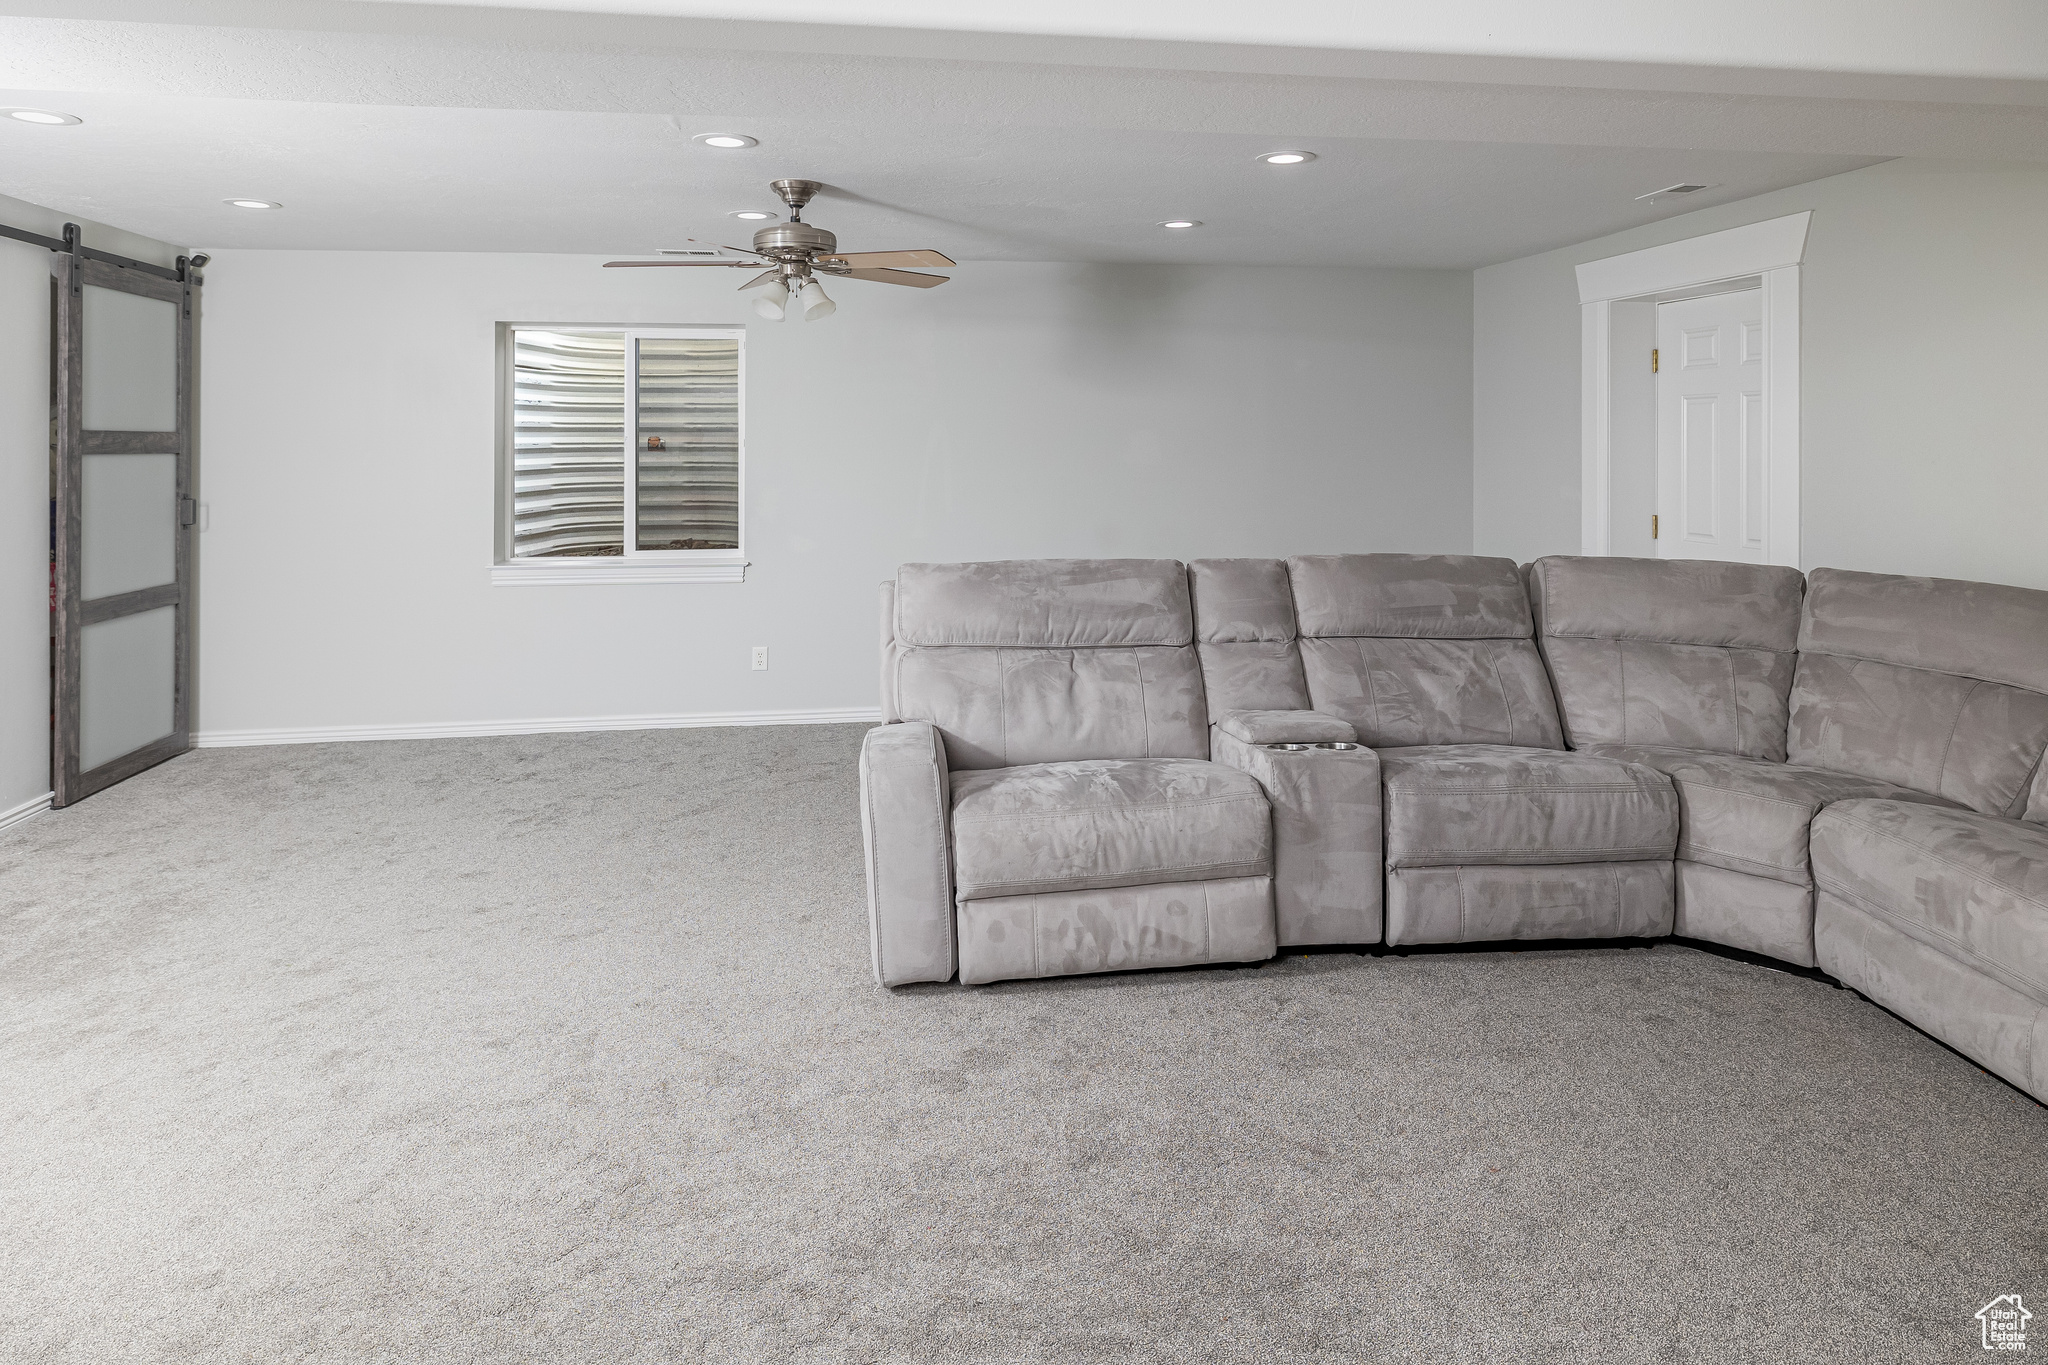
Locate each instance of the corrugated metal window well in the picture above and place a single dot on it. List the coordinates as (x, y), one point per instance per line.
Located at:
(573, 446)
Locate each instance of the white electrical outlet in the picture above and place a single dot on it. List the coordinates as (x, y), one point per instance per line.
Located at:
(760, 658)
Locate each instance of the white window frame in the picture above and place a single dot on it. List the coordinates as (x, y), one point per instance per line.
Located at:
(634, 565)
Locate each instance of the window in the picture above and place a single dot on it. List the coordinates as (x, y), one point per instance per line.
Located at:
(623, 453)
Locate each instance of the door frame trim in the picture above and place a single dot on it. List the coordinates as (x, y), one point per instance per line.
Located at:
(1772, 251)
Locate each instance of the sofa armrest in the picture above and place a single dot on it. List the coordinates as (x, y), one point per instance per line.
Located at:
(1285, 727)
(904, 812)
(1328, 874)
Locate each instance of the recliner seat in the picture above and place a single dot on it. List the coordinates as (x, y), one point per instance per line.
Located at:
(1933, 911)
(1042, 802)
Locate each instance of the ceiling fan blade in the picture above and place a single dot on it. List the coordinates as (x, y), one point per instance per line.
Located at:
(866, 260)
(761, 279)
(744, 250)
(729, 265)
(909, 277)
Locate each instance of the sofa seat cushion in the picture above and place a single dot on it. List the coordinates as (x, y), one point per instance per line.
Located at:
(1750, 814)
(1099, 823)
(1973, 887)
(1464, 805)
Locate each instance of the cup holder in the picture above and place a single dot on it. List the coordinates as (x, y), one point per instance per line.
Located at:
(1338, 748)
(1290, 748)
(1327, 747)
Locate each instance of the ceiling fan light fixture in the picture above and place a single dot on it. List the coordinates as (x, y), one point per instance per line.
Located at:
(772, 302)
(49, 117)
(1181, 224)
(1285, 158)
(727, 142)
(811, 298)
(252, 203)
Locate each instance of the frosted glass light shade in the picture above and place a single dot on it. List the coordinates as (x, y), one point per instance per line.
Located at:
(814, 303)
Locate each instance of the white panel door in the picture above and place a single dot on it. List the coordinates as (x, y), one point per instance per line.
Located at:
(1711, 459)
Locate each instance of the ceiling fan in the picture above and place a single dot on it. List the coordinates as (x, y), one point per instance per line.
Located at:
(796, 253)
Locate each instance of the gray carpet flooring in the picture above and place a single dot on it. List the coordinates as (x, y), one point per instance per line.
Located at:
(564, 1049)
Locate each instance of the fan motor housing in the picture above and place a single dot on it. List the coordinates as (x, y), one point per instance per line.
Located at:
(795, 237)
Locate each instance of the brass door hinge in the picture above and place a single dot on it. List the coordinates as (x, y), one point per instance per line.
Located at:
(1653, 360)
(1653, 525)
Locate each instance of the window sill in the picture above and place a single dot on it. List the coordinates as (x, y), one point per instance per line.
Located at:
(540, 573)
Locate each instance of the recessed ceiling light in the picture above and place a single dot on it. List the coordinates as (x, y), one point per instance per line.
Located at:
(1182, 223)
(1285, 158)
(726, 141)
(752, 215)
(252, 204)
(43, 116)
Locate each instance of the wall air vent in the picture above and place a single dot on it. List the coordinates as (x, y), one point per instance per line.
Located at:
(1671, 190)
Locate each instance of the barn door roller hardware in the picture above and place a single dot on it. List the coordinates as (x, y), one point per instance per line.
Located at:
(69, 245)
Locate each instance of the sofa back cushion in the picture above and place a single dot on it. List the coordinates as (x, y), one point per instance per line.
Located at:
(1680, 653)
(1931, 683)
(1046, 660)
(1245, 635)
(1423, 649)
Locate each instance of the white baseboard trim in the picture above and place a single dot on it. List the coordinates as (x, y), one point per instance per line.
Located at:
(35, 805)
(551, 725)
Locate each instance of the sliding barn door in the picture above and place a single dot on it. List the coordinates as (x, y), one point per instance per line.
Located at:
(122, 519)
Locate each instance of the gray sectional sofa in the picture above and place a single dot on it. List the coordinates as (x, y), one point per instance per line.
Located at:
(1099, 765)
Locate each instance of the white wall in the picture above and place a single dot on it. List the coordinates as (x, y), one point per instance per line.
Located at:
(25, 488)
(1022, 410)
(1924, 320)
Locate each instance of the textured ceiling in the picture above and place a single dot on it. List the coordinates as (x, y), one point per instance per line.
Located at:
(388, 126)
(1974, 39)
